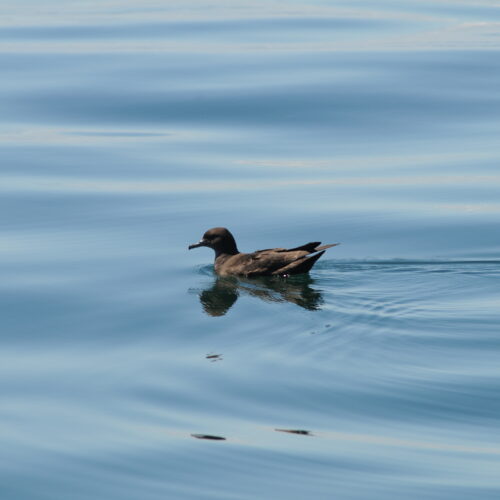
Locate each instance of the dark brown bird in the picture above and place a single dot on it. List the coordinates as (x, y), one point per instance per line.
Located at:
(272, 261)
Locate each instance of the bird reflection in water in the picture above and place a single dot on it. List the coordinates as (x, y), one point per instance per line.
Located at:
(223, 292)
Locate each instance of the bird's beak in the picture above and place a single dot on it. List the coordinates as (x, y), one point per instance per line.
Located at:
(201, 243)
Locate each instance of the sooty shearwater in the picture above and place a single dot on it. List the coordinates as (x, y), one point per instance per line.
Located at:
(270, 262)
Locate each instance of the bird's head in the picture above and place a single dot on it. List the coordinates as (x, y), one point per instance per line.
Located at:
(219, 239)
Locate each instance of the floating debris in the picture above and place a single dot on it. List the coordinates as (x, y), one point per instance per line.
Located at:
(302, 432)
(214, 357)
(208, 436)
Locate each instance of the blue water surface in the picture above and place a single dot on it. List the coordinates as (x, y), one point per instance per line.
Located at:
(128, 129)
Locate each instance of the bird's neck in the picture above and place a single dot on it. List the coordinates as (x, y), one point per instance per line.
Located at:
(229, 248)
(223, 254)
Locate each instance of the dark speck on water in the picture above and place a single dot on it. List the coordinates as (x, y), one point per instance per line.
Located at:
(295, 431)
(214, 357)
(209, 437)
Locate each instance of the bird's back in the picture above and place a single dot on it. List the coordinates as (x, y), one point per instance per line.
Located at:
(271, 261)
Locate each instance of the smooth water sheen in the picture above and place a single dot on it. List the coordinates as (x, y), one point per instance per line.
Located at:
(129, 128)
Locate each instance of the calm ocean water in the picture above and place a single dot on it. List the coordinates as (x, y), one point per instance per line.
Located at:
(129, 128)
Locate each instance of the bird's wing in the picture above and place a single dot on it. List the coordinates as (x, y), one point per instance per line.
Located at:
(308, 247)
(278, 261)
(299, 266)
(259, 253)
(266, 262)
